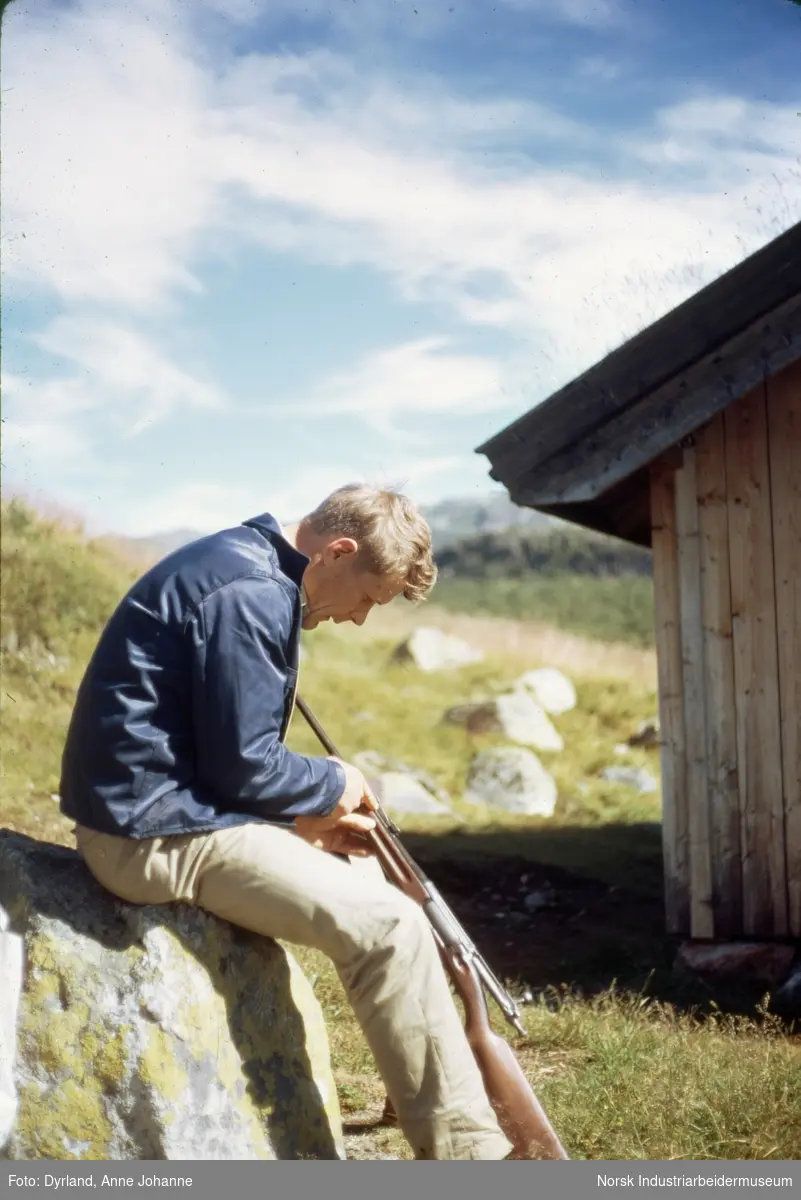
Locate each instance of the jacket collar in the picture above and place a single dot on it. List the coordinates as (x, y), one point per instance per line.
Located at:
(292, 562)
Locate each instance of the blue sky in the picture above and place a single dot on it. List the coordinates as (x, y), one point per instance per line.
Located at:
(254, 250)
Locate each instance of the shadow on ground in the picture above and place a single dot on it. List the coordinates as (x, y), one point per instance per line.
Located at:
(577, 908)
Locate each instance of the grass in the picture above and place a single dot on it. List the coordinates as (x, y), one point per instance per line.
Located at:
(608, 608)
(622, 1076)
(368, 702)
(623, 1073)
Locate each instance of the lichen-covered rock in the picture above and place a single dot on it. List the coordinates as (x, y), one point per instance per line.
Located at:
(11, 969)
(157, 1032)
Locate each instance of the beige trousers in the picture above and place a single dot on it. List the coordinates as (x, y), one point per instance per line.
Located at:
(266, 879)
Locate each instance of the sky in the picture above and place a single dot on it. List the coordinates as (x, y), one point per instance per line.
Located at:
(253, 250)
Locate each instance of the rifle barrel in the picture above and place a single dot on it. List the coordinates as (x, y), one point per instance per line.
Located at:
(493, 985)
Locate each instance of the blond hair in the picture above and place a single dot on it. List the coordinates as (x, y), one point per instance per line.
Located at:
(394, 538)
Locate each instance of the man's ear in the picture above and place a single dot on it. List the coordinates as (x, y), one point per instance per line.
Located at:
(342, 546)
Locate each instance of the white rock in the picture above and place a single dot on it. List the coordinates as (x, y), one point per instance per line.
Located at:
(552, 690)
(512, 779)
(401, 787)
(524, 720)
(401, 793)
(535, 901)
(515, 714)
(11, 969)
(432, 650)
(635, 777)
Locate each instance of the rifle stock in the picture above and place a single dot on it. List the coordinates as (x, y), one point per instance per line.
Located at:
(517, 1108)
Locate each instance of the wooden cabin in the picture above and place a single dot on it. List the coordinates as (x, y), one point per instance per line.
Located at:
(687, 439)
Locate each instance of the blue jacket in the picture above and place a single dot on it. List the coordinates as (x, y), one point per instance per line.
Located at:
(180, 718)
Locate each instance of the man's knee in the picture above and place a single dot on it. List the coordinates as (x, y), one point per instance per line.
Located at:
(405, 921)
(398, 942)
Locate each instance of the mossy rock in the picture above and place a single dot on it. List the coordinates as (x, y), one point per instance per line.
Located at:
(157, 1032)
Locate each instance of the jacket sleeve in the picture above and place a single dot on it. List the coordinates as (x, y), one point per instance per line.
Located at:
(240, 687)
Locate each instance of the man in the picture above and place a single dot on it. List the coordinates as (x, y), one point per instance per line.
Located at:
(182, 789)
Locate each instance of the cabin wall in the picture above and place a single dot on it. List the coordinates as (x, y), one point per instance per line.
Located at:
(726, 530)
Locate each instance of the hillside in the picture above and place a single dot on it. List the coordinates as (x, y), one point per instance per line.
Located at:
(563, 575)
(567, 909)
(556, 550)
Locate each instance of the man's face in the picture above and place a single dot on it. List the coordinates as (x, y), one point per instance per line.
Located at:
(338, 589)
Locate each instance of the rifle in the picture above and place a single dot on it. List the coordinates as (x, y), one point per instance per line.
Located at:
(518, 1110)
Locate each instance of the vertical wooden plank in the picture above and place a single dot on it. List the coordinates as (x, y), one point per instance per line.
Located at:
(784, 425)
(675, 831)
(756, 667)
(721, 726)
(692, 666)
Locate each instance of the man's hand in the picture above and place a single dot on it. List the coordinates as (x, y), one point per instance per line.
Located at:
(343, 830)
(347, 837)
(357, 795)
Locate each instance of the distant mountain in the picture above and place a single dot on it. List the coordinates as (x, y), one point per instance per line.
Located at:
(450, 521)
(161, 544)
(148, 550)
(464, 517)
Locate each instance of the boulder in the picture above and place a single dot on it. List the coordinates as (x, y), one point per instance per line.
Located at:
(647, 734)
(513, 779)
(11, 968)
(515, 714)
(552, 690)
(429, 649)
(156, 1032)
(764, 962)
(635, 777)
(788, 998)
(399, 792)
(401, 788)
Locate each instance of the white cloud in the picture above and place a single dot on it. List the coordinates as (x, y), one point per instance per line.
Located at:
(126, 373)
(216, 505)
(44, 428)
(575, 12)
(397, 386)
(108, 163)
(41, 422)
(306, 154)
(597, 66)
(121, 385)
(240, 12)
(570, 262)
(168, 152)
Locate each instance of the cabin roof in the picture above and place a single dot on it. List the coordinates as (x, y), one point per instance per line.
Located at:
(583, 453)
